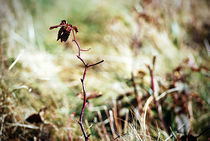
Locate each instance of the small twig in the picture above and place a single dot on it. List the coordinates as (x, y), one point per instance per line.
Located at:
(110, 118)
(103, 126)
(2, 123)
(99, 131)
(96, 63)
(68, 131)
(115, 115)
(158, 106)
(16, 60)
(112, 123)
(169, 91)
(150, 99)
(138, 99)
(126, 122)
(203, 132)
(87, 124)
(79, 48)
(23, 125)
(171, 135)
(84, 103)
(206, 43)
(82, 60)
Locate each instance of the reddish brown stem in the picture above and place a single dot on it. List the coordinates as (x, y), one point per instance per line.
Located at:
(84, 104)
(96, 63)
(69, 27)
(138, 99)
(74, 38)
(52, 27)
(86, 65)
(79, 49)
(158, 106)
(84, 95)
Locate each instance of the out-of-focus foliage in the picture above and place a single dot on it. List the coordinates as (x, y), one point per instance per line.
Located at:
(38, 72)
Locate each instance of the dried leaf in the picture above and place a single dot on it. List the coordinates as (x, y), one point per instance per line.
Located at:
(37, 117)
(34, 118)
(90, 95)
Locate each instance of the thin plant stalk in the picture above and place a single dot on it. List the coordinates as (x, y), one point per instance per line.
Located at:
(138, 99)
(69, 28)
(86, 65)
(158, 106)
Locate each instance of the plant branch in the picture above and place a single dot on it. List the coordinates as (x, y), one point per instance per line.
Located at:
(86, 65)
(64, 37)
(96, 63)
(79, 48)
(84, 104)
(84, 95)
(82, 60)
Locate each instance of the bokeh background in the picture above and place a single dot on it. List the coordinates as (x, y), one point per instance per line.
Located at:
(37, 71)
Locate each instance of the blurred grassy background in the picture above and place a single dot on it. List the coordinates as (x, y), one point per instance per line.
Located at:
(126, 34)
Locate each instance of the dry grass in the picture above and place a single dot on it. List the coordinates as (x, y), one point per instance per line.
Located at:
(37, 72)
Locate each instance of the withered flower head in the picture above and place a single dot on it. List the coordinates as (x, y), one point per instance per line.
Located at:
(63, 34)
(64, 31)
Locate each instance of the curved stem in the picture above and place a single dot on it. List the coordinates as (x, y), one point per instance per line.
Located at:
(84, 104)
(82, 60)
(86, 65)
(157, 104)
(79, 48)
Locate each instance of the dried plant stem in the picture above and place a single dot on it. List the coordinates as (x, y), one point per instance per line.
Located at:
(79, 49)
(115, 115)
(1, 61)
(109, 114)
(112, 124)
(86, 65)
(69, 28)
(89, 131)
(103, 126)
(158, 106)
(138, 99)
(99, 131)
(83, 107)
(150, 99)
(68, 131)
(126, 122)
